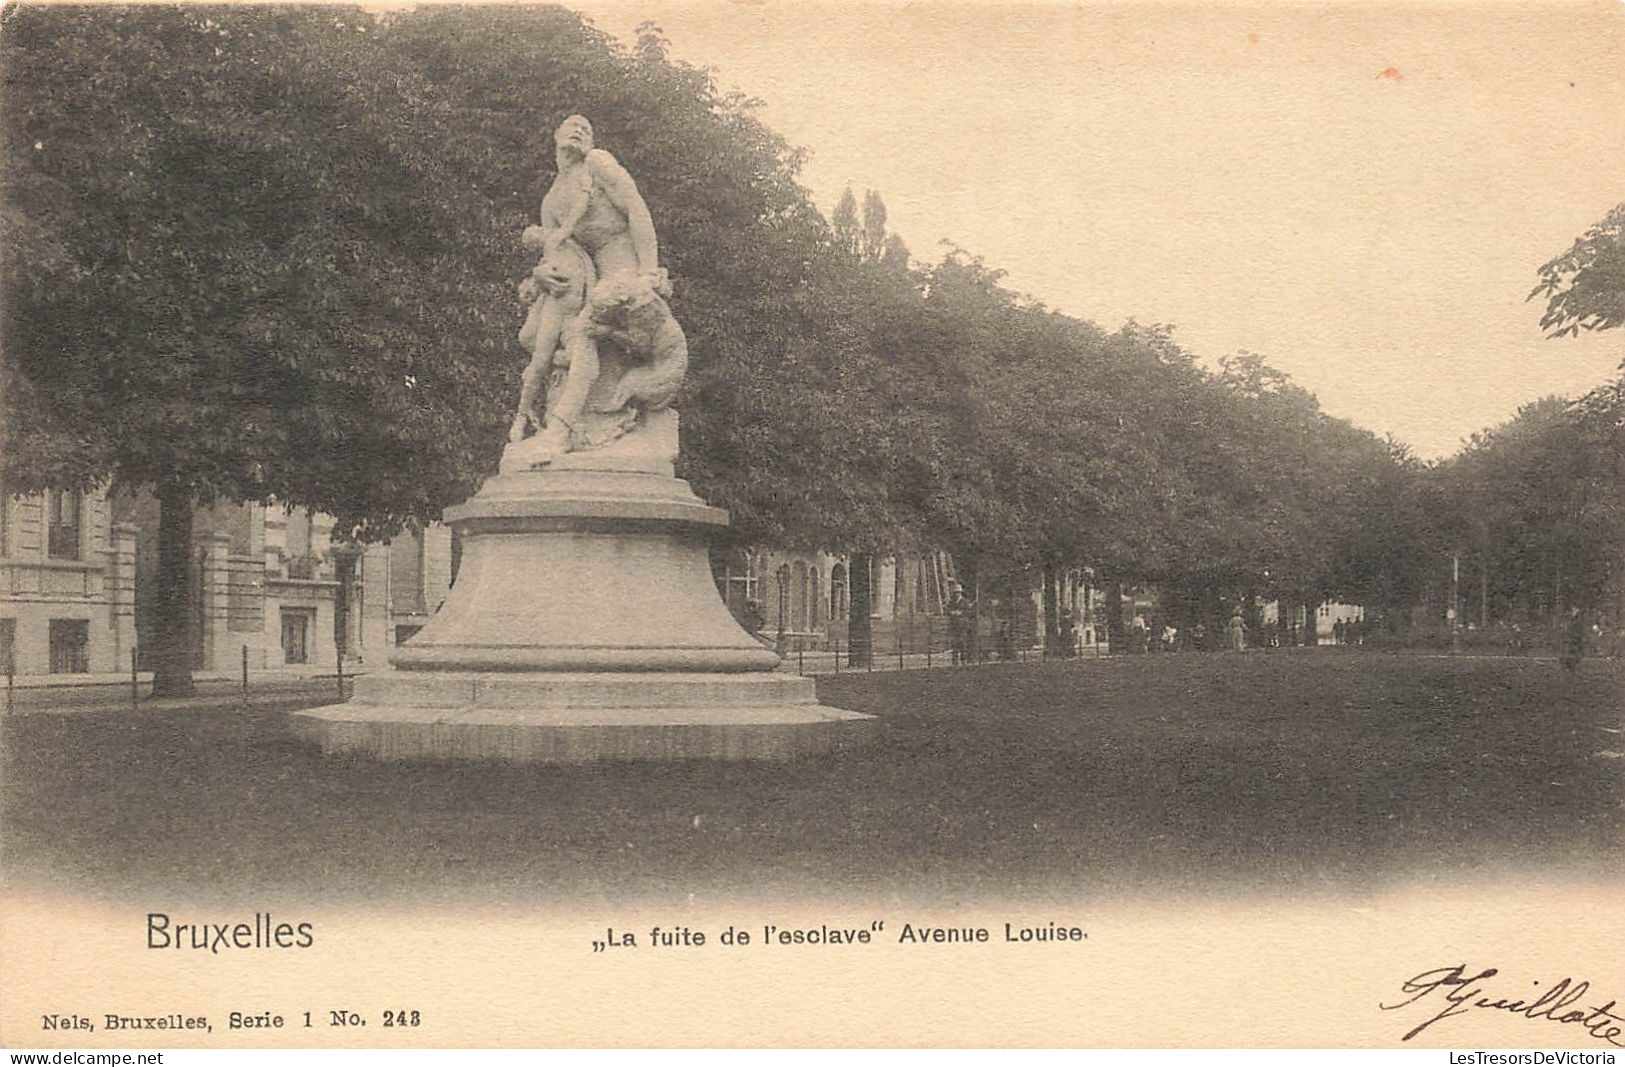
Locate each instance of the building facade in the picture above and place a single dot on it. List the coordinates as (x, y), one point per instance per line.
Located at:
(67, 584)
(271, 588)
(803, 601)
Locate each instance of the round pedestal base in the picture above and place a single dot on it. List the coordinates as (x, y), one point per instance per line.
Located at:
(585, 624)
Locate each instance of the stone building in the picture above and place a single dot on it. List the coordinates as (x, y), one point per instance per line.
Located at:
(270, 586)
(807, 598)
(273, 589)
(67, 584)
(1332, 612)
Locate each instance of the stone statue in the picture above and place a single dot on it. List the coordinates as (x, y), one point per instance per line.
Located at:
(585, 623)
(599, 281)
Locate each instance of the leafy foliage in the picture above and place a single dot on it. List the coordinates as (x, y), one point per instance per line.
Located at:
(1585, 286)
(268, 252)
(262, 277)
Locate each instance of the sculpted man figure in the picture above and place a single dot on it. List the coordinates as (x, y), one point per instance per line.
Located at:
(599, 278)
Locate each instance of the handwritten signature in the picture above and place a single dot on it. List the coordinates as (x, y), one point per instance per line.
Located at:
(1462, 991)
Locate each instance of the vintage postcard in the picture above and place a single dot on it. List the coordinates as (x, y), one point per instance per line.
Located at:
(839, 524)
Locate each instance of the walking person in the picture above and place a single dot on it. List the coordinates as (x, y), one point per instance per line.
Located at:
(1238, 632)
(958, 613)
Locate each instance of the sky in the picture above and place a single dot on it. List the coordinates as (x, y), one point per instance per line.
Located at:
(1361, 193)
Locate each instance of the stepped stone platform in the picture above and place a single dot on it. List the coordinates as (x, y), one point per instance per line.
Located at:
(584, 625)
(578, 717)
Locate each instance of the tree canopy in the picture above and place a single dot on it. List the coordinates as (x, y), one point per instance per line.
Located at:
(269, 252)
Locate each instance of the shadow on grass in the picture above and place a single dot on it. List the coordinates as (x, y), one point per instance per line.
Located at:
(1184, 774)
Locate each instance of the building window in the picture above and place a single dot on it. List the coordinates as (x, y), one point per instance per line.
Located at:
(839, 602)
(738, 579)
(5, 523)
(815, 602)
(64, 511)
(8, 646)
(295, 636)
(70, 646)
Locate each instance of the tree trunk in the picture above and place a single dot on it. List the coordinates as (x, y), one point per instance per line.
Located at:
(860, 627)
(1009, 632)
(1554, 625)
(172, 659)
(1114, 616)
(1213, 616)
(1252, 614)
(1052, 612)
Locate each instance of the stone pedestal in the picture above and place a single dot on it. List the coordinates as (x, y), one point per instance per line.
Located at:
(585, 625)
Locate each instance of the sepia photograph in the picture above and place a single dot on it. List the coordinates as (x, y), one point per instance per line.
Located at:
(740, 523)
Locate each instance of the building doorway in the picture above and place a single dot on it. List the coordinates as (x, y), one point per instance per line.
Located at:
(296, 627)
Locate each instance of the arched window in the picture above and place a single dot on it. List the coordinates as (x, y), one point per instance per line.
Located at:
(921, 606)
(815, 602)
(798, 594)
(64, 510)
(838, 603)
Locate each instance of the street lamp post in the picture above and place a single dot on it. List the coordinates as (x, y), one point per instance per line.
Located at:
(783, 577)
(1454, 614)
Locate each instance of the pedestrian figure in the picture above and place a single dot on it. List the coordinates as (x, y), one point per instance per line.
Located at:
(958, 613)
(1337, 631)
(1199, 637)
(1238, 633)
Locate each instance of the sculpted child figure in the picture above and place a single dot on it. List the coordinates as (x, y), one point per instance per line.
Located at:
(595, 234)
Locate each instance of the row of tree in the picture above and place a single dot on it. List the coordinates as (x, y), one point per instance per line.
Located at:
(268, 252)
(1536, 507)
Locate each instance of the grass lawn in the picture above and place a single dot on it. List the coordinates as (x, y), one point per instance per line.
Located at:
(1187, 773)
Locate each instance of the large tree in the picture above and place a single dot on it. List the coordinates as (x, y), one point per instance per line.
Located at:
(243, 268)
(270, 252)
(1536, 504)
